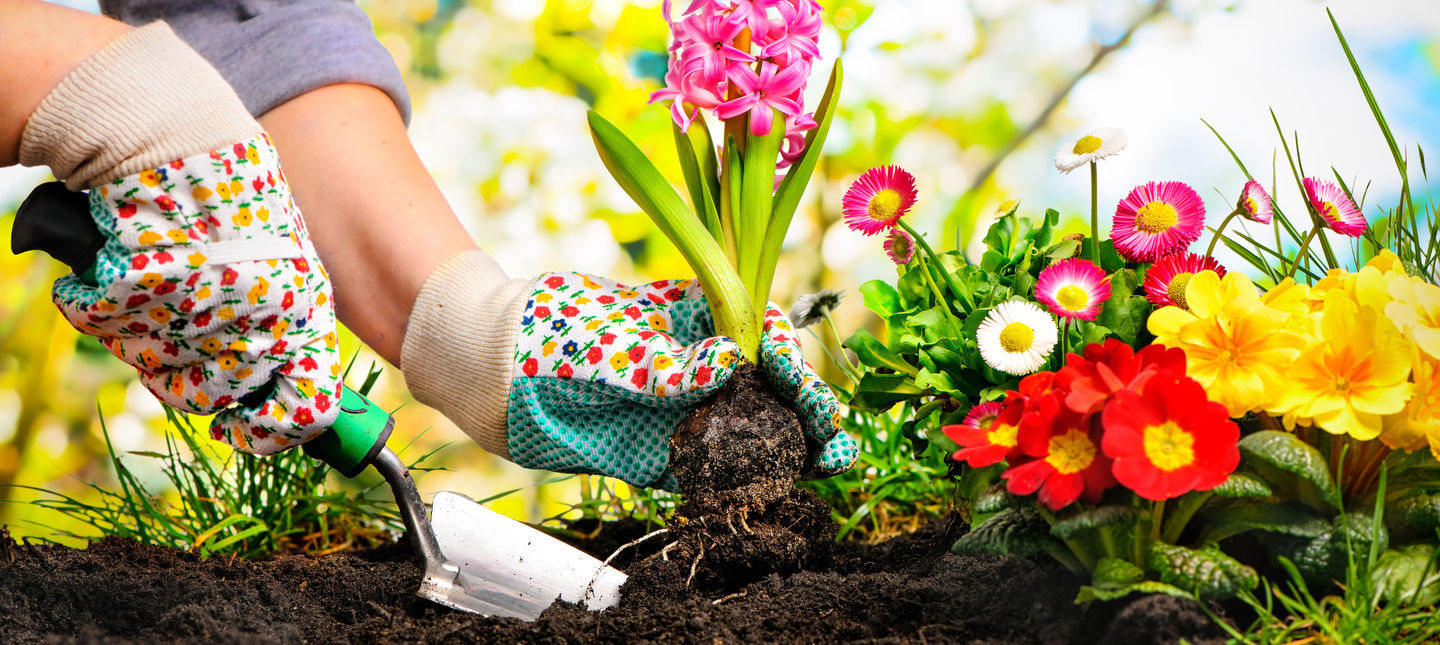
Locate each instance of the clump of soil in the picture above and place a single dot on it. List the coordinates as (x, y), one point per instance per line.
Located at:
(908, 590)
(737, 458)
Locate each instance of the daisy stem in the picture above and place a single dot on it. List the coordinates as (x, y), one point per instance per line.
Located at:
(851, 368)
(1219, 229)
(1094, 216)
(1304, 246)
(924, 268)
(935, 260)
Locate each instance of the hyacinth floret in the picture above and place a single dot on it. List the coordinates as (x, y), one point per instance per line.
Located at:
(743, 57)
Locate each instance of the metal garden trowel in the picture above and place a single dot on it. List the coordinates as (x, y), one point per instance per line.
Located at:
(475, 559)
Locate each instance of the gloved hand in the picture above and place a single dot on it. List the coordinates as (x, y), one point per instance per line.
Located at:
(207, 282)
(604, 374)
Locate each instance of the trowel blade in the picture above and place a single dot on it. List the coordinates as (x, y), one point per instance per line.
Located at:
(502, 567)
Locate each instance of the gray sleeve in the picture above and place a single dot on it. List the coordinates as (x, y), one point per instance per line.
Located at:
(273, 50)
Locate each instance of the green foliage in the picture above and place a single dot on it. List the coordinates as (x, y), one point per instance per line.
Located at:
(1293, 467)
(1018, 531)
(1205, 572)
(239, 505)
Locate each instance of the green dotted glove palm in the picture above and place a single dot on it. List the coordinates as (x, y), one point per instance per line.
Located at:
(604, 373)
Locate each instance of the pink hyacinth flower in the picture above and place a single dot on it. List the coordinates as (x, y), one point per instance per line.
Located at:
(712, 42)
(764, 92)
(878, 199)
(793, 34)
(1073, 288)
(1336, 209)
(1157, 219)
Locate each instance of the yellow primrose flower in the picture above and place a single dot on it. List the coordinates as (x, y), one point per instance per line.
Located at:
(1387, 262)
(1416, 310)
(1357, 372)
(1235, 346)
(1419, 423)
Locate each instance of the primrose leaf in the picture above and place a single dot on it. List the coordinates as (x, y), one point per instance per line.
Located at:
(1207, 573)
(1065, 249)
(1243, 485)
(1281, 518)
(1409, 575)
(1114, 573)
(1294, 468)
(1017, 531)
(1088, 594)
(997, 498)
(1420, 512)
(1095, 519)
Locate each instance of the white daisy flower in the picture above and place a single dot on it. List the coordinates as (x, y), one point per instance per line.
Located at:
(1016, 337)
(1097, 144)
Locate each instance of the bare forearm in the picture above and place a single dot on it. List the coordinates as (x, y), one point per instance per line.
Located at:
(40, 43)
(378, 220)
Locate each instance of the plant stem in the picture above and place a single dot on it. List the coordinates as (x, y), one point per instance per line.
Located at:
(1094, 216)
(1303, 247)
(1157, 516)
(839, 342)
(1210, 252)
(934, 259)
(924, 268)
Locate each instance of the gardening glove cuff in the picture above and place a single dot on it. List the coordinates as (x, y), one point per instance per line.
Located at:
(143, 100)
(459, 345)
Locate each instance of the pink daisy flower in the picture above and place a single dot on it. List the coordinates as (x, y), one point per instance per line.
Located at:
(1073, 288)
(1157, 219)
(1165, 281)
(982, 415)
(878, 199)
(900, 247)
(1336, 208)
(1255, 203)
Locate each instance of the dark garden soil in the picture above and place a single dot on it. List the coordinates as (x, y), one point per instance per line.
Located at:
(907, 590)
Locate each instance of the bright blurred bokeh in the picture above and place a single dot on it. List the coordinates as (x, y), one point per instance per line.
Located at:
(972, 96)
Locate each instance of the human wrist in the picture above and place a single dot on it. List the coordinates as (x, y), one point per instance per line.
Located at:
(115, 115)
(459, 348)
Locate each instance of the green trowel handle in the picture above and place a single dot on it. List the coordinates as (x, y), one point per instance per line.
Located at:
(357, 436)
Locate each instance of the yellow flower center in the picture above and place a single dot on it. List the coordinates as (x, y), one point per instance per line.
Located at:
(1071, 452)
(1072, 298)
(1342, 384)
(1005, 435)
(1086, 145)
(1250, 206)
(1330, 212)
(1016, 337)
(1226, 356)
(1168, 446)
(1176, 289)
(1156, 217)
(885, 206)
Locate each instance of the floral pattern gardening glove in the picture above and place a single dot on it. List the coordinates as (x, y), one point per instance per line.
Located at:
(604, 374)
(209, 286)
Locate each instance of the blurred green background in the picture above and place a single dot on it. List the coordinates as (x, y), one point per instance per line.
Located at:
(972, 96)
